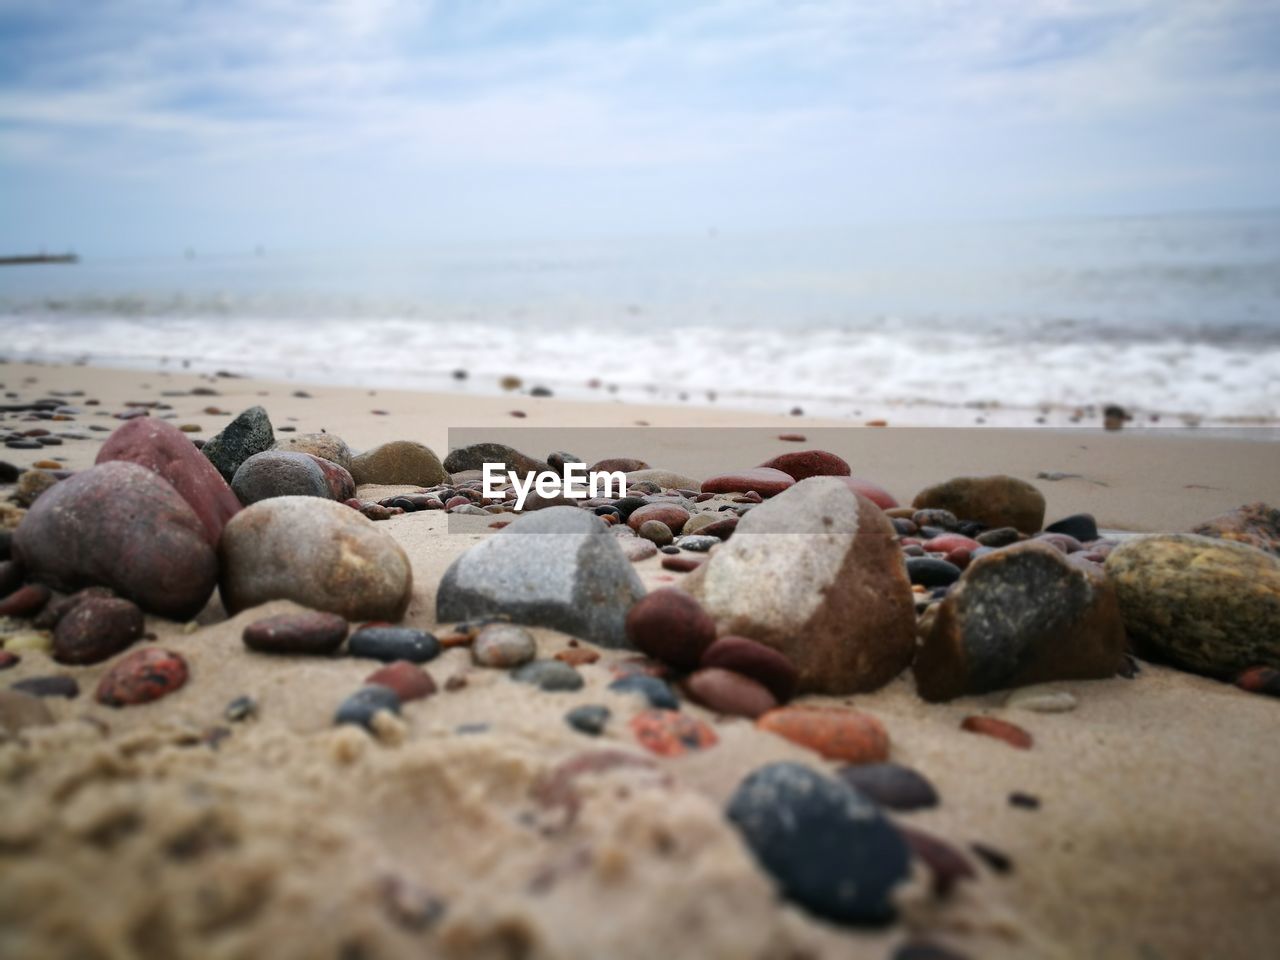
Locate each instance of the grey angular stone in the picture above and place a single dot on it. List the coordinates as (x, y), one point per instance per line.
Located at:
(558, 568)
(239, 440)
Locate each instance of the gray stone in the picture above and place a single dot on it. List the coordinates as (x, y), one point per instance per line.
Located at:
(557, 568)
(239, 440)
(549, 675)
(476, 455)
(276, 473)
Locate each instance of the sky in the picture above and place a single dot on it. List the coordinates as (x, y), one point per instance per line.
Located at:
(141, 126)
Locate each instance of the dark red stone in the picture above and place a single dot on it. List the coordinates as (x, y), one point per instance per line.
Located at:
(731, 693)
(408, 680)
(311, 632)
(8, 659)
(947, 865)
(96, 628)
(142, 676)
(681, 564)
(809, 463)
(723, 529)
(165, 450)
(670, 626)
(765, 481)
(755, 660)
(26, 601)
(338, 478)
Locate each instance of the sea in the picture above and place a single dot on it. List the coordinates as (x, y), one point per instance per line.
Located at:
(1175, 318)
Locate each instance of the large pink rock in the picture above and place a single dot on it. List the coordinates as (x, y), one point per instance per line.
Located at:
(164, 449)
(809, 463)
(765, 481)
(122, 526)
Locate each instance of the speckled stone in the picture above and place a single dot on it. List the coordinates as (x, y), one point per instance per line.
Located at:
(549, 675)
(503, 645)
(247, 434)
(1255, 524)
(1207, 605)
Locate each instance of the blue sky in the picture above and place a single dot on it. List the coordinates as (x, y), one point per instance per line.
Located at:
(148, 125)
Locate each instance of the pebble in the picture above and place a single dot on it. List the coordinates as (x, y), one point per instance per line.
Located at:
(1255, 524)
(32, 485)
(1041, 700)
(947, 865)
(51, 686)
(165, 451)
(997, 860)
(399, 462)
(549, 675)
(1207, 605)
(877, 494)
(925, 950)
(836, 733)
(96, 628)
(1010, 733)
(1024, 801)
(671, 626)
(240, 709)
(763, 664)
(656, 532)
(669, 733)
(275, 473)
(120, 525)
(891, 785)
(590, 718)
(999, 537)
(1260, 680)
(932, 572)
(1079, 526)
(9, 659)
(142, 676)
(503, 645)
(763, 480)
(809, 463)
(727, 692)
(941, 519)
(247, 434)
(657, 692)
(320, 554)
(389, 644)
(26, 601)
(361, 707)
(327, 446)
(828, 847)
(311, 632)
(830, 592)
(681, 564)
(506, 574)
(671, 515)
(996, 501)
(635, 549)
(577, 656)
(409, 681)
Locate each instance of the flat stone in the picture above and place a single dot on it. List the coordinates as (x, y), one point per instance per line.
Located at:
(56, 685)
(476, 455)
(590, 718)
(1207, 605)
(557, 568)
(670, 515)
(389, 644)
(1021, 615)
(310, 632)
(95, 629)
(361, 707)
(549, 675)
(816, 574)
(727, 692)
(1041, 700)
(891, 785)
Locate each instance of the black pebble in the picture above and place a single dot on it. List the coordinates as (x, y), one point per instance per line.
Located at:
(1024, 800)
(393, 643)
(924, 950)
(55, 686)
(241, 708)
(932, 572)
(669, 549)
(8, 472)
(360, 707)
(999, 537)
(997, 861)
(1082, 526)
(657, 692)
(828, 846)
(590, 718)
(629, 505)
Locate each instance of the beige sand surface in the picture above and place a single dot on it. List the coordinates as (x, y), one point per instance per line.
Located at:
(125, 833)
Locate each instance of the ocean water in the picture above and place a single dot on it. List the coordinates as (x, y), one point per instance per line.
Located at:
(1175, 316)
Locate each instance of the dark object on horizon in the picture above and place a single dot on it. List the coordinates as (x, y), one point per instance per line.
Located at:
(30, 258)
(1114, 416)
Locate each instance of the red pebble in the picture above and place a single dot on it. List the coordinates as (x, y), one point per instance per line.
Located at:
(670, 733)
(142, 676)
(1260, 680)
(947, 542)
(877, 494)
(959, 558)
(8, 659)
(408, 680)
(792, 437)
(671, 626)
(1010, 733)
(755, 660)
(25, 601)
(947, 864)
(837, 733)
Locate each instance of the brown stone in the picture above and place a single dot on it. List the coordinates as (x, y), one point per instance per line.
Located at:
(755, 660)
(96, 628)
(1255, 524)
(671, 626)
(727, 692)
(671, 514)
(836, 733)
(765, 481)
(996, 501)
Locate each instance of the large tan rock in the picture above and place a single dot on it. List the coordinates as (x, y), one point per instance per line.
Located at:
(815, 573)
(318, 553)
(1022, 615)
(997, 501)
(400, 461)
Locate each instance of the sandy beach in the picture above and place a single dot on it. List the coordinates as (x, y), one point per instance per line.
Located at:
(165, 830)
